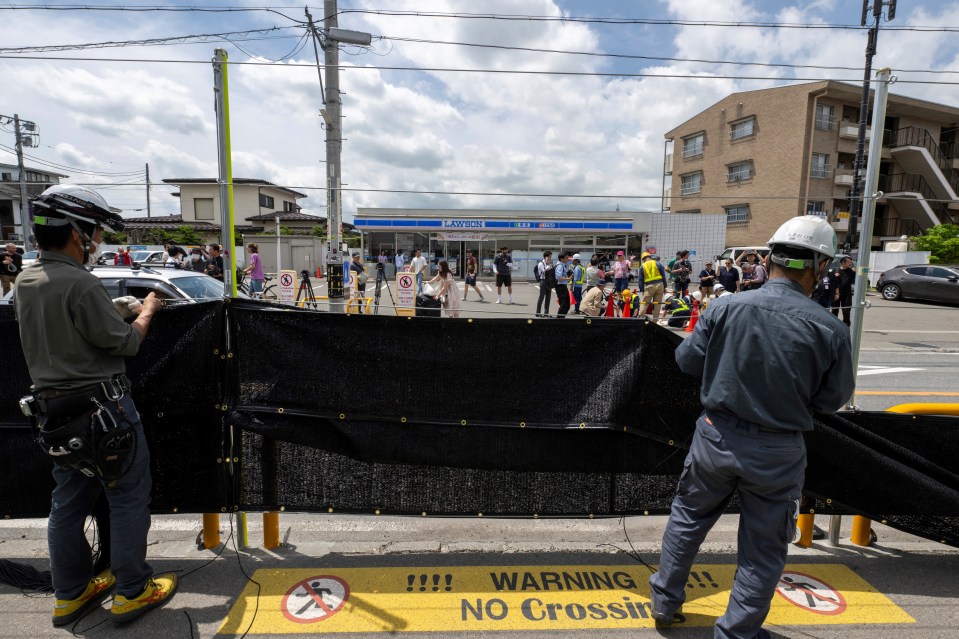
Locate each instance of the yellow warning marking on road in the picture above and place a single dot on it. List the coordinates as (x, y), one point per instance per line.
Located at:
(491, 598)
(909, 393)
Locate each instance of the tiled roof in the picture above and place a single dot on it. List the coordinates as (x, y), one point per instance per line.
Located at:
(236, 180)
(287, 216)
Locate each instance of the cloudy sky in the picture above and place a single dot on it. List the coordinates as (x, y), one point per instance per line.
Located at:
(458, 126)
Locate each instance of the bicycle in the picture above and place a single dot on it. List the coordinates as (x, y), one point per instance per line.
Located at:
(269, 292)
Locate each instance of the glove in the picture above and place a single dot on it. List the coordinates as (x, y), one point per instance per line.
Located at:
(127, 306)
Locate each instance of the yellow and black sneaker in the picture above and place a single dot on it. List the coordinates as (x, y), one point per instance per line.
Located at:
(158, 591)
(66, 611)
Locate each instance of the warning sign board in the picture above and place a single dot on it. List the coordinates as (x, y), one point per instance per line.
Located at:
(451, 599)
(405, 294)
(315, 599)
(287, 286)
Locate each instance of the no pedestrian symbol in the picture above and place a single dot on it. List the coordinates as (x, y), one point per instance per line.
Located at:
(286, 280)
(315, 599)
(406, 281)
(811, 594)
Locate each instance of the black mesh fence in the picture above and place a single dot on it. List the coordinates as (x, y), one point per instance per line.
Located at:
(256, 407)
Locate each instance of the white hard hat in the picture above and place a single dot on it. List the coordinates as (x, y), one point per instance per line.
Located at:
(698, 296)
(809, 232)
(719, 288)
(61, 203)
(576, 256)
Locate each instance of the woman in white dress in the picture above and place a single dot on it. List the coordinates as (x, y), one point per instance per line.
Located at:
(447, 290)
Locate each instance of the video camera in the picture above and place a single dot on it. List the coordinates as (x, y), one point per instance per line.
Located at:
(304, 274)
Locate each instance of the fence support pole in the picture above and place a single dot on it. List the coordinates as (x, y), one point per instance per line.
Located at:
(805, 523)
(861, 531)
(211, 530)
(271, 530)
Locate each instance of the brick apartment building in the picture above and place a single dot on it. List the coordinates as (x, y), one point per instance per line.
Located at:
(761, 157)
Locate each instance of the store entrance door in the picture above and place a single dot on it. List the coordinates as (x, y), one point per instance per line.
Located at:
(477, 248)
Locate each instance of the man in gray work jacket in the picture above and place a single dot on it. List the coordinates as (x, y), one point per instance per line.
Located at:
(751, 439)
(74, 340)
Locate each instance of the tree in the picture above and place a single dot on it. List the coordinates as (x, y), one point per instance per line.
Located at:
(185, 234)
(942, 241)
(109, 237)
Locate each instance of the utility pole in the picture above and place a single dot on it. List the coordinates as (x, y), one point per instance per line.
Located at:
(148, 189)
(332, 35)
(855, 200)
(24, 206)
(221, 91)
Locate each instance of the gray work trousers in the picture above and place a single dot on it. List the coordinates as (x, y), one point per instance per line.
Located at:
(768, 469)
(73, 498)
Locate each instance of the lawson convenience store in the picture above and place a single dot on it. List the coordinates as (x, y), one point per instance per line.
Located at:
(444, 234)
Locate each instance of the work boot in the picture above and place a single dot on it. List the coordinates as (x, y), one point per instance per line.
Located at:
(158, 591)
(66, 611)
(662, 619)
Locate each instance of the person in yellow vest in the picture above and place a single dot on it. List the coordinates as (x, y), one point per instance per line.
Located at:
(652, 285)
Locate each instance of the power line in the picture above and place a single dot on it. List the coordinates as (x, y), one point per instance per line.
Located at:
(184, 39)
(598, 74)
(627, 56)
(72, 168)
(639, 21)
(148, 8)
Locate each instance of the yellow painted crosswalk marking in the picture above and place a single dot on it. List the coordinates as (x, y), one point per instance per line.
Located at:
(502, 598)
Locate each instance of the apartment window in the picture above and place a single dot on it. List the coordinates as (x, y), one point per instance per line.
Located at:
(266, 201)
(7, 177)
(203, 208)
(739, 171)
(820, 166)
(816, 208)
(742, 129)
(737, 214)
(825, 120)
(289, 207)
(691, 183)
(693, 145)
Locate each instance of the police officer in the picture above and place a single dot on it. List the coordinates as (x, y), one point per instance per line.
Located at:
(750, 435)
(74, 340)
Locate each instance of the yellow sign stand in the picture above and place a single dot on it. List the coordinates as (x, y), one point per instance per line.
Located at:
(496, 598)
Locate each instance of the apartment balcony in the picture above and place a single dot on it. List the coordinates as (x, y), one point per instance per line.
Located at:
(843, 177)
(821, 171)
(850, 131)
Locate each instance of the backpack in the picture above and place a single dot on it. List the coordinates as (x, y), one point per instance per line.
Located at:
(549, 276)
(536, 271)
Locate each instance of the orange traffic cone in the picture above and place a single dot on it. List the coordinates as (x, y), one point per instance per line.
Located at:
(693, 317)
(319, 273)
(611, 306)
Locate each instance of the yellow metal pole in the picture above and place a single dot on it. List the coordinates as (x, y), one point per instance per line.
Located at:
(271, 530)
(928, 408)
(211, 530)
(861, 531)
(805, 524)
(242, 529)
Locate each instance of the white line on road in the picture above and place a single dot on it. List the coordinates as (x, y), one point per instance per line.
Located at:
(877, 370)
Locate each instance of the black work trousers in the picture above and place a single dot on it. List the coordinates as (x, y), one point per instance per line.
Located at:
(545, 292)
(562, 296)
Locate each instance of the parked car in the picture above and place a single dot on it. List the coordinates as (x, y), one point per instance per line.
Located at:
(169, 284)
(933, 282)
(30, 257)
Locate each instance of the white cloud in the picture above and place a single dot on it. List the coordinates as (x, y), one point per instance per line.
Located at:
(433, 130)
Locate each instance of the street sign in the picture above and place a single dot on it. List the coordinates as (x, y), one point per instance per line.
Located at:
(405, 294)
(287, 286)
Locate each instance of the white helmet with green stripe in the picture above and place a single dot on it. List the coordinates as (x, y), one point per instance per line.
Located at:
(64, 204)
(806, 232)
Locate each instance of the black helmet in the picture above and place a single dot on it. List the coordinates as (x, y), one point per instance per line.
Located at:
(61, 204)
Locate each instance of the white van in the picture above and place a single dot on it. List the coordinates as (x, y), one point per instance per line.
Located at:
(735, 252)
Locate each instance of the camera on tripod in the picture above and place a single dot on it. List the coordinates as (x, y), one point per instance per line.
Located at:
(304, 274)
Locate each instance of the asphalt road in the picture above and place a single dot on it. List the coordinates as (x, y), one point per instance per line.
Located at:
(900, 587)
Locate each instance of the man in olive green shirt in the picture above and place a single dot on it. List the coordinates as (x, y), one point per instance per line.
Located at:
(74, 340)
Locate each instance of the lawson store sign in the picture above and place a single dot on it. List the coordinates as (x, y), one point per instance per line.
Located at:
(501, 225)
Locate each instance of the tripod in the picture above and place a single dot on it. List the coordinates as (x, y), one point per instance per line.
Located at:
(305, 294)
(376, 296)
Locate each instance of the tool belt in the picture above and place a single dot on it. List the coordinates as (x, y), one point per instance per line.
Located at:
(78, 432)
